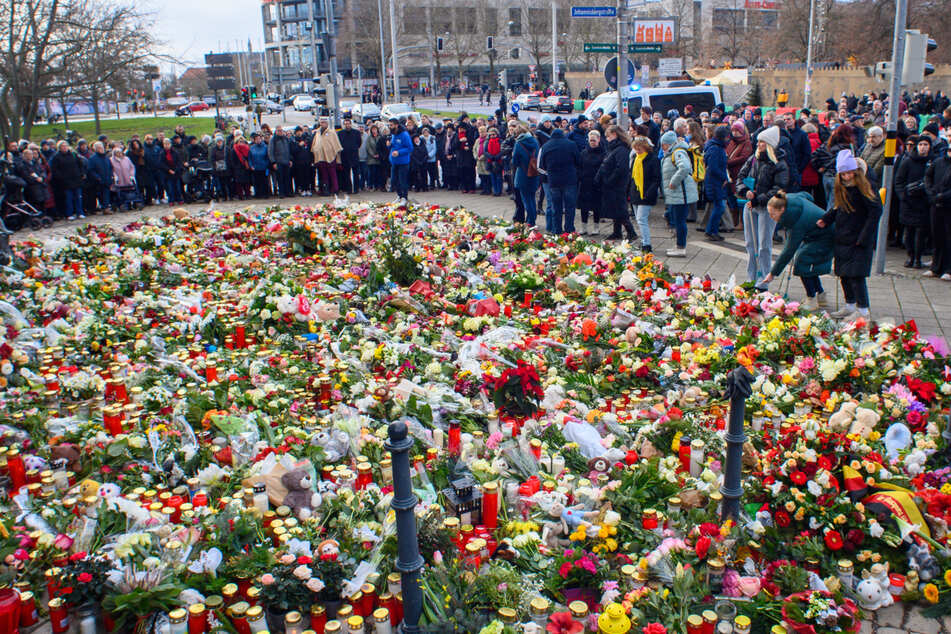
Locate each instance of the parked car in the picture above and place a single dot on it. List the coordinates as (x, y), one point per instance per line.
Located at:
(557, 103)
(365, 112)
(346, 107)
(270, 107)
(304, 103)
(528, 101)
(190, 107)
(400, 111)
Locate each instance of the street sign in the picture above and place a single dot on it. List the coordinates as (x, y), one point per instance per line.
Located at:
(221, 84)
(220, 72)
(600, 47)
(644, 48)
(219, 59)
(594, 12)
(670, 66)
(515, 107)
(531, 68)
(587, 85)
(610, 72)
(654, 31)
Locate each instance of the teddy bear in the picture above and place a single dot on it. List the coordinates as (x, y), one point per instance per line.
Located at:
(68, 452)
(300, 497)
(843, 418)
(864, 422)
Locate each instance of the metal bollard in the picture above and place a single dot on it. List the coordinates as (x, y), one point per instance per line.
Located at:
(739, 387)
(408, 562)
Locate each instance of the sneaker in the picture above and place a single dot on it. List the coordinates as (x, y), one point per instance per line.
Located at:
(928, 273)
(843, 312)
(676, 253)
(822, 299)
(82, 215)
(946, 277)
(856, 316)
(70, 217)
(584, 229)
(811, 304)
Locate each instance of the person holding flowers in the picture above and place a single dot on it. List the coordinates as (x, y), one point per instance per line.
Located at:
(855, 212)
(808, 245)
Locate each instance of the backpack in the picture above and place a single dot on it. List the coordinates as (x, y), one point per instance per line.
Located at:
(699, 167)
(692, 162)
(532, 170)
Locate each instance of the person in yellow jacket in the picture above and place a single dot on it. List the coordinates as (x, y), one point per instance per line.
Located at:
(782, 99)
(326, 149)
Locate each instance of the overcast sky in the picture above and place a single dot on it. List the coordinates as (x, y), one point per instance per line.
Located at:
(192, 28)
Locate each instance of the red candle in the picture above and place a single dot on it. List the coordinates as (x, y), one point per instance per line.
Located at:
(490, 505)
(318, 618)
(364, 476)
(197, 619)
(120, 392)
(527, 299)
(59, 616)
(28, 615)
(211, 372)
(176, 502)
(10, 610)
(112, 420)
(694, 624)
(684, 453)
(16, 469)
(239, 340)
(455, 438)
(369, 598)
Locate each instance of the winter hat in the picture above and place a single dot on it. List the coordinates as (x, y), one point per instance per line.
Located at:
(739, 125)
(721, 133)
(668, 138)
(845, 162)
(770, 136)
(932, 129)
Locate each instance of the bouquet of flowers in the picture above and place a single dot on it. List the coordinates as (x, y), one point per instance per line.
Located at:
(817, 612)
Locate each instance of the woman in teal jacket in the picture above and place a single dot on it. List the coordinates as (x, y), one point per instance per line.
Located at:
(809, 246)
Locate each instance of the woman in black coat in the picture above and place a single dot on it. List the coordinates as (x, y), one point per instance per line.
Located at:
(938, 181)
(910, 185)
(589, 195)
(143, 175)
(382, 146)
(613, 178)
(218, 155)
(855, 213)
(644, 187)
(461, 148)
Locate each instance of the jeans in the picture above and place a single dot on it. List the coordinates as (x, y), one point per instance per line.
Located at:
(678, 217)
(352, 172)
(527, 194)
(713, 224)
(549, 211)
(173, 189)
(399, 175)
(855, 290)
(72, 202)
(758, 232)
(485, 184)
(642, 214)
(828, 185)
(563, 201)
(104, 197)
(365, 175)
(284, 179)
(221, 182)
(813, 285)
(496, 183)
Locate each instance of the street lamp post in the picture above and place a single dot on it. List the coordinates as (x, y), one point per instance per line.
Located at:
(396, 68)
(554, 43)
(807, 88)
(382, 77)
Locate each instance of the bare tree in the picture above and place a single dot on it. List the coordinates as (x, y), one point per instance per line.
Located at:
(466, 42)
(536, 31)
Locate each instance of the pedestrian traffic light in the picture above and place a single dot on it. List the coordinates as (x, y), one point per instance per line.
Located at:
(254, 92)
(439, 43)
(503, 78)
(916, 66)
(244, 96)
(489, 41)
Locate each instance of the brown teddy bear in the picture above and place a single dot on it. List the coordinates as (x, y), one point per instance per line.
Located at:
(300, 497)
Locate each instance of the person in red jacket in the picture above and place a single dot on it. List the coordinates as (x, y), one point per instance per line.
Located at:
(738, 150)
(810, 177)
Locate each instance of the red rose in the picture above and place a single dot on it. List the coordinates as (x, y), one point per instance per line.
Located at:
(84, 577)
(855, 537)
(304, 560)
(78, 556)
(782, 518)
(709, 529)
(654, 628)
(833, 540)
(702, 547)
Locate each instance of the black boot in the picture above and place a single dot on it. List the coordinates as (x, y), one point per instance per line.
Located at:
(910, 263)
(646, 248)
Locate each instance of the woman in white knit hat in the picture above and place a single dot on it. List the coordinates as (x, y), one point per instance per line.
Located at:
(764, 174)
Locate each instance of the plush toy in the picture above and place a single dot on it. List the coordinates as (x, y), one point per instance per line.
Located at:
(328, 549)
(109, 491)
(874, 589)
(864, 423)
(33, 462)
(88, 488)
(300, 497)
(68, 452)
(841, 420)
(923, 562)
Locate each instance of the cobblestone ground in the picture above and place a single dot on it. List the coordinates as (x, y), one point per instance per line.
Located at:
(897, 296)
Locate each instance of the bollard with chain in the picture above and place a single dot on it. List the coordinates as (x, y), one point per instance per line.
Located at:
(739, 387)
(408, 562)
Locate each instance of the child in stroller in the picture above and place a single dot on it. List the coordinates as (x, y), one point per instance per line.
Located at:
(15, 211)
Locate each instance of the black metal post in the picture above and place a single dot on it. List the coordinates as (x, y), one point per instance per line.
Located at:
(408, 562)
(739, 386)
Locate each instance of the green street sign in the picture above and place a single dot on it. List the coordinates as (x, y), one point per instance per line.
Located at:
(643, 48)
(600, 47)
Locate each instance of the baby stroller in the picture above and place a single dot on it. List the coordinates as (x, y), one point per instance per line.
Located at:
(128, 196)
(15, 211)
(202, 185)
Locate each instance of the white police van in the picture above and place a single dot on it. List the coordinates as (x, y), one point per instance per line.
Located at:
(661, 98)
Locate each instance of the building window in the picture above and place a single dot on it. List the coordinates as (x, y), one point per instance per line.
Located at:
(515, 21)
(539, 20)
(728, 19)
(515, 53)
(768, 19)
(414, 21)
(466, 21)
(491, 21)
(441, 18)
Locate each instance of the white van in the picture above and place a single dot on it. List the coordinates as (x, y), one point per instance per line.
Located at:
(662, 100)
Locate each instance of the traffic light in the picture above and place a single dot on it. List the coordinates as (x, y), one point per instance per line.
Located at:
(439, 44)
(883, 71)
(244, 96)
(254, 92)
(916, 66)
(503, 78)
(489, 41)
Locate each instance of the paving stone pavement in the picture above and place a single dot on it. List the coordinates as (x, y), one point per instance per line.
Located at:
(899, 295)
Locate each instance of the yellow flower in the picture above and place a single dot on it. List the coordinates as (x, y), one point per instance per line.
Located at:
(947, 577)
(931, 593)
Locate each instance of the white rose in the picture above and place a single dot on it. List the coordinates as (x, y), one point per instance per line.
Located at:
(303, 573)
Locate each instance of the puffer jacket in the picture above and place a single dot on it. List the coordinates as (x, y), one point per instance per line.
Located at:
(910, 186)
(768, 178)
(808, 245)
(675, 172)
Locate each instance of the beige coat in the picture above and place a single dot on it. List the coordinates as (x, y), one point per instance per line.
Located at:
(326, 146)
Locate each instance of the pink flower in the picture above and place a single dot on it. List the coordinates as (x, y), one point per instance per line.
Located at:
(303, 573)
(315, 585)
(437, 557)
(63, 542)
(588, 565)
(267, 579)
(21, 554)
(287, 559)
(494, 439)
(564, 570)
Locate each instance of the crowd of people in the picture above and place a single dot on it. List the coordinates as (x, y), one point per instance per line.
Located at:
(813, 179)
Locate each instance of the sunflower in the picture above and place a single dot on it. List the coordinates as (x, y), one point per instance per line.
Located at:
(931, 593)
